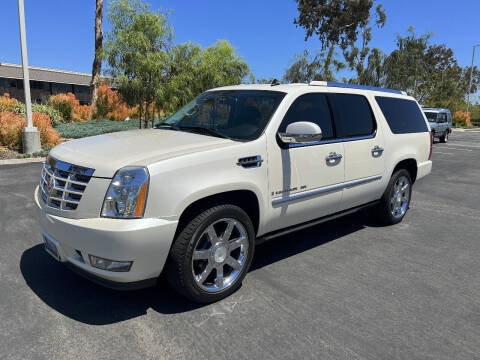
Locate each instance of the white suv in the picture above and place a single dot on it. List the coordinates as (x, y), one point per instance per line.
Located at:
(235, 166)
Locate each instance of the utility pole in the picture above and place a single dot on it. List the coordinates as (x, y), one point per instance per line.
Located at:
(471, 75)
(30, 135)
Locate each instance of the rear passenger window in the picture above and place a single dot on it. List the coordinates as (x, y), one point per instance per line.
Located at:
(403, 116)
(313, 108)
(353, 115)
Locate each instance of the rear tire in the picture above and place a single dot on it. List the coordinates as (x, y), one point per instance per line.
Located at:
(444, 137)
(212, 254)
(395, 201)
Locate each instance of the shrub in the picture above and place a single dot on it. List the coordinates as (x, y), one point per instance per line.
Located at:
(12, 124)
(462, 118)
(52, 113)
(110, 104)
(64, 103)
(7, 103)
(82, 113)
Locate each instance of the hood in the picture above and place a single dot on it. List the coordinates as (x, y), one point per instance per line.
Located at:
(109, 152)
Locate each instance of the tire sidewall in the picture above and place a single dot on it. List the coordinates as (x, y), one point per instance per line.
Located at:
(226, 211)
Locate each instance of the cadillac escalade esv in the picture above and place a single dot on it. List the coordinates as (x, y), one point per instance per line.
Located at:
(235, 166)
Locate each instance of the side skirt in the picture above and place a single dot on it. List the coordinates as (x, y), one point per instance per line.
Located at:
(305, 225)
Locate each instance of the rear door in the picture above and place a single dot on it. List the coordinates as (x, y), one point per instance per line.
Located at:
(364, 148)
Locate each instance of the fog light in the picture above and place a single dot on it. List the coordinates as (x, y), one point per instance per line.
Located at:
(110, 265)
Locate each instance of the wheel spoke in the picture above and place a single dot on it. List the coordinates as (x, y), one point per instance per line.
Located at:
(236, 243)
(228, 231)
(233, 263)
(219, 279)
(404, 187)
(212, 234)
(203, 276)
(201, 254)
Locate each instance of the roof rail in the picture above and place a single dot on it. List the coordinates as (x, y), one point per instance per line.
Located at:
(355, 86)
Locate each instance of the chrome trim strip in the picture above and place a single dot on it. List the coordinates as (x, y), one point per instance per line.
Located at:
(327, 189)
(67, 167)
(332, 141)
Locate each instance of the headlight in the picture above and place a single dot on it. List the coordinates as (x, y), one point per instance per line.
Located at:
(127, 194)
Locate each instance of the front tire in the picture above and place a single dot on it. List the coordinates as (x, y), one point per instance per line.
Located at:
(395, 201)
(212, 254)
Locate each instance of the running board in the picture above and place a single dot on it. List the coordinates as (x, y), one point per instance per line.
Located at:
(305, 225)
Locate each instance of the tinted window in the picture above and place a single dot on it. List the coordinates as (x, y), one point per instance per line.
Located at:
(353, 115)
(313, 108)
(402, 115)
(431, 116)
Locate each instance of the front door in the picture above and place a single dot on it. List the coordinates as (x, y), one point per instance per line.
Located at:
(305, 180)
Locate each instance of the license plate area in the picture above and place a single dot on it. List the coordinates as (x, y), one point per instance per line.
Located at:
(51, 247)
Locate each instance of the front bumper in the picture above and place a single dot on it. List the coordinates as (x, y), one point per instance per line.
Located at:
(146, 242)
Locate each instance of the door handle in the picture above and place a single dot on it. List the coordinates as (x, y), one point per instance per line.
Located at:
(333, 158)
(377, 151)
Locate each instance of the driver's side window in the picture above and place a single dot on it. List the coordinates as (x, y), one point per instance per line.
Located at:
(311, 107)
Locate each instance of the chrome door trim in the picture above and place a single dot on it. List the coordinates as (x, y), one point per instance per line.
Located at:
(327, 189)
(333, 141)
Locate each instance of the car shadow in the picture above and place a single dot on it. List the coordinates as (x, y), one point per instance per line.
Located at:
(86, 302)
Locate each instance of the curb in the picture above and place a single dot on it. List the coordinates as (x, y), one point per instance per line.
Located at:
(21, 161)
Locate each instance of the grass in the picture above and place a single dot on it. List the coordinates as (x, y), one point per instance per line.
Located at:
(95, 127)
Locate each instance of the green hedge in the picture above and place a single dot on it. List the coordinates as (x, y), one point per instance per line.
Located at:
(94, 127)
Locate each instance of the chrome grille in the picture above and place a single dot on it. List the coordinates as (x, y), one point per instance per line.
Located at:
(62, 184)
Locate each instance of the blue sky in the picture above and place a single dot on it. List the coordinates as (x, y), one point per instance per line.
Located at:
(60, 33)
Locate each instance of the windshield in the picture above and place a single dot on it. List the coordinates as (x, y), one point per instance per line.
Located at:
(236, 114)
(431, 116)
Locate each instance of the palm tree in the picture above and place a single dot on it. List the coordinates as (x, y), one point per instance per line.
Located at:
(97, 60)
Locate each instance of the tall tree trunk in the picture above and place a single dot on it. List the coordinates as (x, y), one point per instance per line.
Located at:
(140, 120)
(97, 60)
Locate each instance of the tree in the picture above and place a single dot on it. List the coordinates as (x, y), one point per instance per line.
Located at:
(137, 51)
(305, 68)
(333, 21)
(97, 60)
(192, 70)
(356, 56)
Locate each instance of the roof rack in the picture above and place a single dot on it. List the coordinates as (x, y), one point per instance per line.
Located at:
(355, 86)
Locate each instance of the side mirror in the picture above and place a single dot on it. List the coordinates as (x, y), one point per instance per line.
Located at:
(301, 132)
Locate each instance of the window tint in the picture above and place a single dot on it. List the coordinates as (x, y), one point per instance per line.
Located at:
(313, 108)
(402, 115)
(353, 115)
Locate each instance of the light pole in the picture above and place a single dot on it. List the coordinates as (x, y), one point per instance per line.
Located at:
(30, 135)
(471, 75)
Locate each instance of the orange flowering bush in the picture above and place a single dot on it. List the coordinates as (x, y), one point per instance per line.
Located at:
(110, 104)
(81, 113)
(462, 118)
(11, 126)
(7, 103)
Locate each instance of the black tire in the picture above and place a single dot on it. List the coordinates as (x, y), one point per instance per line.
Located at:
(179, 264)
(384, 209)
(444, 137)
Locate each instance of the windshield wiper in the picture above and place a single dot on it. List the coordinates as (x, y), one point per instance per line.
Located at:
(165, 125)
(201, 129)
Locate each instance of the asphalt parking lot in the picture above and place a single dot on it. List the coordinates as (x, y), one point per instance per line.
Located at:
(344, 290)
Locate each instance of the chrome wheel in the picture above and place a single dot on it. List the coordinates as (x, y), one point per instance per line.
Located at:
(220, 255)
(400, 197)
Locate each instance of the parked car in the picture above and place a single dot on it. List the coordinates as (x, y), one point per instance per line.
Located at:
(440, 121)
(236, 166)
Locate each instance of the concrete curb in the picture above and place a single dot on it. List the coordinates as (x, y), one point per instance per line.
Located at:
(21, 161)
